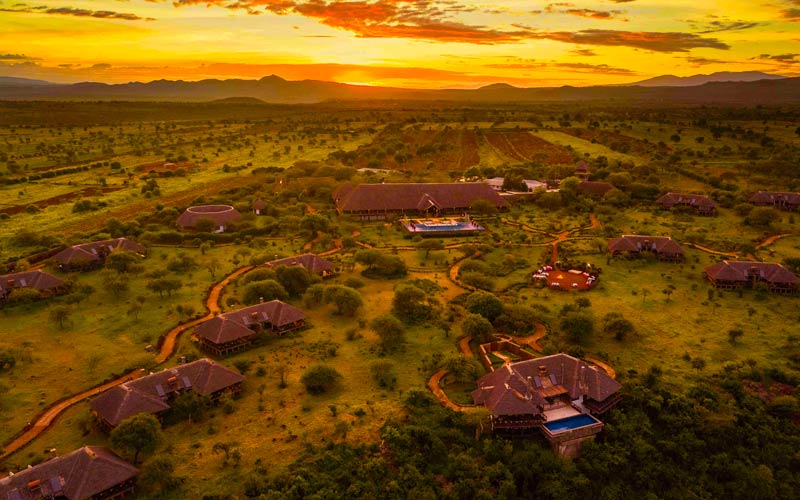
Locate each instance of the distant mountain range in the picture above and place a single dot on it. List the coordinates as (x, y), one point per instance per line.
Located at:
(721, 76)
(742, 88)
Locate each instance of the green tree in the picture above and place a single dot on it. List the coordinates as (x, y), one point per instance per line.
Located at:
(390, 331)
(158, 474)
(410, 304)
(140, 433)
(320, 378)
(347, 300)
(60, 315)
(212, 266)
(384, 374)
(762, 216)
(265, 290)
(190, 406)
(477, 327)
(295, 279)
(314, 296)
(578, 326)
(430, 244)
(162, 285)
(314, 222)
(484, 303)
(123, 261)
(734, 334)
(615, 324)
(463, 369)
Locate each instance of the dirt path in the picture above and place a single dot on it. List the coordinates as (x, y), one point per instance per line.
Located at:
(712, 252)
(45, 419)
(595, 223)
(771, 240)
(463, 346)
(532, 341)
(436, 389)
(212, 304)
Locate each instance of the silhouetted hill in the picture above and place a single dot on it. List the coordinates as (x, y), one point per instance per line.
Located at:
(273, 89)
(12, 81)
(721, 76)
(238, 100)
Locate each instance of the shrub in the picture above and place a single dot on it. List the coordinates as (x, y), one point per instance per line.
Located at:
(266, 290)
(383, 374)
(320, 378)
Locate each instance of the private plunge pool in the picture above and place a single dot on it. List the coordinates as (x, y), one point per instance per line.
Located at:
(571, 423)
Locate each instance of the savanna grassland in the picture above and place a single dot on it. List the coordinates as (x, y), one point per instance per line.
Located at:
(92, 171)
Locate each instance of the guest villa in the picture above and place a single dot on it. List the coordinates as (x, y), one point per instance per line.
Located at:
(558, 395)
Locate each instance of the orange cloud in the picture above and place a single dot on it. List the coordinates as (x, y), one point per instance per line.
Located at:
(417, 19)
(655, 41)
(568, 8)
(565, 66)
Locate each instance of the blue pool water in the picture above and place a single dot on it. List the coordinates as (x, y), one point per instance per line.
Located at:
(444, 227)
(570, 423)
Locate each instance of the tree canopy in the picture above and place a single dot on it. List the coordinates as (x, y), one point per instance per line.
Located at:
(140, 433)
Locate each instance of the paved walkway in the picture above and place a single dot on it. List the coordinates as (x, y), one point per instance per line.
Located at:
(49, 415)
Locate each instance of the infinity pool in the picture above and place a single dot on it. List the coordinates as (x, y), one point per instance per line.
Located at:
(569, 423)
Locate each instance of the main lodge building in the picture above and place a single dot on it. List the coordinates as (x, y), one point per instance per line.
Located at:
(375, 201)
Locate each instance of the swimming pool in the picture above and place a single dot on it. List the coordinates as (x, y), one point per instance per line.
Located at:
(458, 226)
(570, 423)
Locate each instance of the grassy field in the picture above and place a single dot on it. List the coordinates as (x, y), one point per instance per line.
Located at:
(679, 319)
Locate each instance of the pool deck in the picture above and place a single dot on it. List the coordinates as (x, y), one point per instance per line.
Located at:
(561, 413)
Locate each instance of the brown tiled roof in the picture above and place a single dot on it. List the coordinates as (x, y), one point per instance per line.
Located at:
(695, 200)
(38, 280)
(220, 214)
(77, 475)
(513, 390)
(150, 394)
(235, 324)
(594, 188)
(413, 197)
(769, 197)
(637, 243)
(731, 270)
(89, 252)
(310, 261)
(581, 167)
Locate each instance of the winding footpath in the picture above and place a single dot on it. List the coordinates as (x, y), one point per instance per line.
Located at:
(168, 346)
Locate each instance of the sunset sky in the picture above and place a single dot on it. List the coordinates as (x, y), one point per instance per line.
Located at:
(420, 43)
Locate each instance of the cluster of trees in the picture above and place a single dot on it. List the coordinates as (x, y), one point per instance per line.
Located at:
(657, 444)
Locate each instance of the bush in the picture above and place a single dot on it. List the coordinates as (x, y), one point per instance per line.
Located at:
(320, 378)
(383, 374)
(266, 290)
(390, 331)
(477, 327)
(485, 304)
